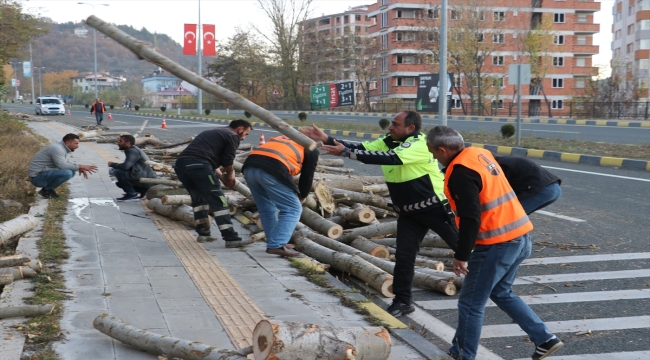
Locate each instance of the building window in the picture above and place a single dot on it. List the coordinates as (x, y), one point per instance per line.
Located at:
(497, 104)
(643, 44)
(619, 16)
(357, 17)
(581, 40)
(499, 16)
(558, 17)
(558, 83)
(405, 81)
(456, 104)
(617, 34)
(498, 60)
(480, 37)
(384, 41)
(582, 18)
(630, 10)
(557, 104)
(384, 86)
(433, 13)
(480, 15)
(629, 48)
(643, 25)
(580, 83)
(630, 29)
(384, 19)
(644, 5)
(643, 64)
(405, 36)
(384, 2)
(498, 38)
(558, 39)
(558, 61)
(497, 82)
(581, 62)
(405, 59)
(455, 14)
(629, 67)
(406, 14)
(384, 64)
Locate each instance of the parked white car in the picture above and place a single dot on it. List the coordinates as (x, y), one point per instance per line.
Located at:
(49, 105)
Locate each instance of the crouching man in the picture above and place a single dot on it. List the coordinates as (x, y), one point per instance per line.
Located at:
(51, 167)
(133, 168)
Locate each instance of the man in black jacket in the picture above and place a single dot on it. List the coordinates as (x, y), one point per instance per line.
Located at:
(133, 168)
(196, 168)
(534, 186)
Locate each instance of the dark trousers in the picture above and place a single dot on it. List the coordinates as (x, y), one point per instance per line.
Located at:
(129, 187)
(411, 229)
(99, 117)
(204, 187)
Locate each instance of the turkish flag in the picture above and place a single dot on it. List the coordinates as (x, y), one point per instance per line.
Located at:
(209, 42)
(189, 44)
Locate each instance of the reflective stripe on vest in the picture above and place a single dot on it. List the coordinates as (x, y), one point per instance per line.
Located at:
(284, 150)
(502, 216)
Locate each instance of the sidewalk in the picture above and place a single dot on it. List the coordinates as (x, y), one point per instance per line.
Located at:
(150, 271)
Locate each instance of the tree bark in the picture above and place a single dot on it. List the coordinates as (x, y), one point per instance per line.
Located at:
(16, 226)
(158, 191)
(381, 229)
(14, 260)
(182, 213)
(149, 141)
(169, 146)
(376, 189)
(160, 166)
(436, 253)
(89, 134)
(331, 162)
(19, 272)
(371, 248)
(280, 340)
(338, 170)
(143, 51)
(176, 200)
(357, 213)
(362, 198)
(372, 275)
(25, 310)
(310, 202)
(320, 224)
(6, 278)
(259, 236)
(175, 150)
(35, 265)
(161, 182)
(160, 344)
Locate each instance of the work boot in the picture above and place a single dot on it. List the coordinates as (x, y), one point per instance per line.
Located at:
(206, 238)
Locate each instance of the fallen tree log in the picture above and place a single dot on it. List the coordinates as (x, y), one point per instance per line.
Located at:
(280, 340)
(6, 278)
(35, 265)
(89, 134)
(331, 162)
(370, 247)
(380, 229)
(182, 213)
(259, 236)
(357, 213)
(382, 213)
(430, 240)
(19, 272)
(375, 277)
(365, 179)
(158, 191)
(339, 170)
(160, 166)
(376, 189)
(161, 182)
(16, 226)
(14, 260)
(175, 150)
(176, 200)
(362, 198)
(162, 345)
(25, 310)
(141, 141)
(436, 253)
(169, 146)
(320, 224)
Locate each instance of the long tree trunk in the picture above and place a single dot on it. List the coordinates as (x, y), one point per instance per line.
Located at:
(331, 162)
(6, 278)
(14, 260)
(362, 198)
(370, 247)
(25, 310)
(161, 182)
(162, 345)
(158, 191)
(280, 340)
(320, 224)
(19, 272)
(436, 253)
(182, 213)
(16, 226)
(357, 213)
(169, 146)
(380, 229)
(176, 200)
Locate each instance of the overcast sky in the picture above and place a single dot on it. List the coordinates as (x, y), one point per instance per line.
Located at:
(168, 16)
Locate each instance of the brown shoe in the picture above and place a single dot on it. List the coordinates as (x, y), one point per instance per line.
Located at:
(290, 246)
(239, 243)
(283, 251)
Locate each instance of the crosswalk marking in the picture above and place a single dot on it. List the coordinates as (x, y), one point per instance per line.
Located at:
(600, 275)
(571, 326)
(585, 258)
(563, 217)
(551, 299)
(626, 355)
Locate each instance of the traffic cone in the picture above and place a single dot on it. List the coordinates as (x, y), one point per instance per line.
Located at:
(164, 124)
(68, 112)
(110, 117)
(262, 141)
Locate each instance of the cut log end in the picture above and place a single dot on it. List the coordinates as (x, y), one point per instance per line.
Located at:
(263, 339)
(387, 288)
(449, 289)
(381, 252)
(335, 232)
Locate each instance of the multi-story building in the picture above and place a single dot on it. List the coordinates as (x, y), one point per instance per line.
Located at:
(631, 48)
(86, 83)
(405, 38)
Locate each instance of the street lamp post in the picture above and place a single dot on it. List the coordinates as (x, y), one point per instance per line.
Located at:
(200, 92)
(94, 44)
(31, 76)
(16, 78)
(40, 89)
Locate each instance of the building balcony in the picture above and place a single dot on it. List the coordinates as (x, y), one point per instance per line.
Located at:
(586, 28)
(408, 67)
(590, 70)
(586, 5)
(585, 49)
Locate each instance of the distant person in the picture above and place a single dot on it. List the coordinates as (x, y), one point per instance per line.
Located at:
(535, 187)
(98, 109)
(50, 167)
(133, 168)
(129, 105)
(196, 168)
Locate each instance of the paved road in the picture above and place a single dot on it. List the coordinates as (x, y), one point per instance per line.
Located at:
(604, 287)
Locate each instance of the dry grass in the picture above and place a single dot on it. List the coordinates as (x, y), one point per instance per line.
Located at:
(17, 147)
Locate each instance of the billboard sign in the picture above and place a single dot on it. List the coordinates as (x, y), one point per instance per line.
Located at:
(27, 69)
(429, 90)
(332, 95)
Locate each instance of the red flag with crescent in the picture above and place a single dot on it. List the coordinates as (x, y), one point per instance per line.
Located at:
(209, 46)
(189, 42)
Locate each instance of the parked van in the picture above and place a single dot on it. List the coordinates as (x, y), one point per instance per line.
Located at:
(49, 105)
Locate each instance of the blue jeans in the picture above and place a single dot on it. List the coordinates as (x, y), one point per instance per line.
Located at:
(123, 182)
(270, 196)
(99, 117)
(492, 270)
(50, 180)
(542, 199)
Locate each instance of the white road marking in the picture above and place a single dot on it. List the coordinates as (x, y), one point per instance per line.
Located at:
(552, 214)
(595, 173)
(551, 131)
(551, 299)
(625, 355)
(585, 258)
(599, 275)
(571, 326)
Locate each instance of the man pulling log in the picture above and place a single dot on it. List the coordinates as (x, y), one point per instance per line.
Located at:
(196, 168)
(415, 184)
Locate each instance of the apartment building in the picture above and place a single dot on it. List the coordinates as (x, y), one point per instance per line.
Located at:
(406, 34)
(86, 83)
(631, 47)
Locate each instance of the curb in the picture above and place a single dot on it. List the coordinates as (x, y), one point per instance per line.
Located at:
(623, 163)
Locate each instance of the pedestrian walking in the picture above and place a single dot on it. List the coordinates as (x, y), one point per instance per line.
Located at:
(98, 109)
(269, 172)
(129, 172)
(196, 168)
(415, 184)
(493, 242)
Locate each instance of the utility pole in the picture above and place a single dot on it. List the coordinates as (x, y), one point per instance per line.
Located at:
(200, 72)
(31, 72)
(94, 45)
(442, 73)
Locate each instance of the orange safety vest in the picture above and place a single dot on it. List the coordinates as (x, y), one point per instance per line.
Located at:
(502, 216)
(285, 150)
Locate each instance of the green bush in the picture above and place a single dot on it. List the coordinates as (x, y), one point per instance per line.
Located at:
(507, 130)
(162, 108)
(207, 111)
(137, 107)
(247, 114)
(87, 106)
(302, 116)
(384, 123)
(111, 106)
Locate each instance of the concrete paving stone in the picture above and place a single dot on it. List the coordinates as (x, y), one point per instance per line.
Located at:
(109, 236)
(84, 345)
(87, 304)
(192, 320)
(77, 227)
(157, 271)
(83, 260)
(143, 313)
(283, 306)
(190, 303)
(318, 296)
(129, 353)
(108, 223)
(299, 284)
(256, 280)
(162, 260)
(213, 337)
(89, 293)
(107, 248)
(122, 270)
(136, 278)
(114, 259)
(245, 270)
(152, 244)
(334, 312)
(175, 281)
(79, 320)
(82, 242)
(160, 250)
(256, 292)
(129, 291)
(403, 352)
(176, 292)
(308, 319)
(90, 277)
